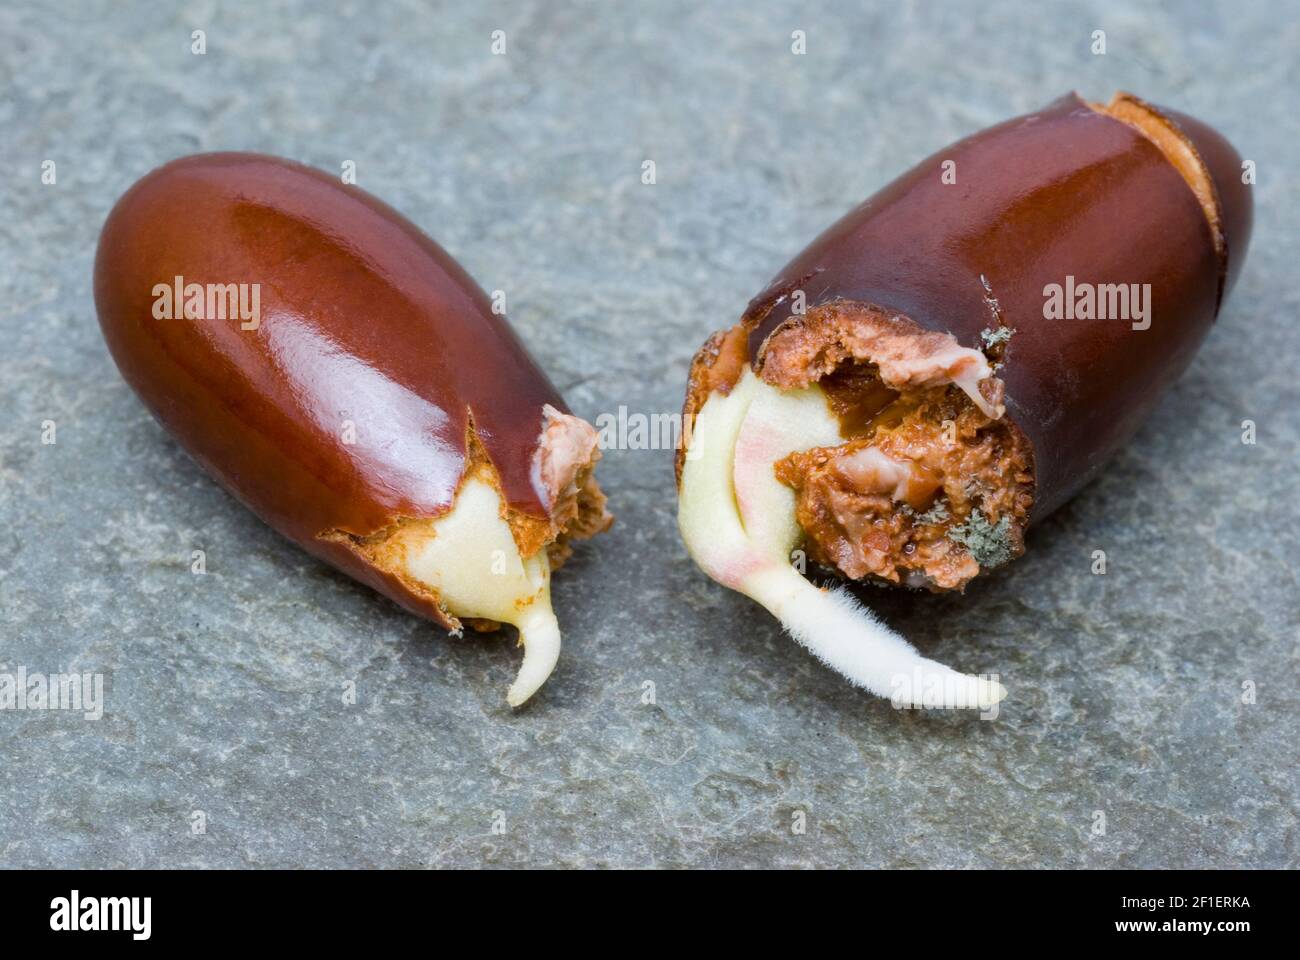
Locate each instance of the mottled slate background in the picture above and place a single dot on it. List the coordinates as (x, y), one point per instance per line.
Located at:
(225, 690)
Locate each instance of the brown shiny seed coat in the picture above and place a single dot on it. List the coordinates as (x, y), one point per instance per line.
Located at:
(368, 329)
(1066, 191)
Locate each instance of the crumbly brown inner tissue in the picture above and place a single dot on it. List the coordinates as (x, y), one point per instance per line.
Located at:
(928, 487)
(917, 532)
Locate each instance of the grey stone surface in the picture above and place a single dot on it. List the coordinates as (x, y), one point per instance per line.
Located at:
(225, 690)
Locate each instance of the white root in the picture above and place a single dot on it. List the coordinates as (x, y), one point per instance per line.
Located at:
(738, 522)
(539, 632)
(472, 563)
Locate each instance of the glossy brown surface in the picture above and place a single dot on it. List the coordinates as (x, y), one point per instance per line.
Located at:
(366, 326)
(1063, 192)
